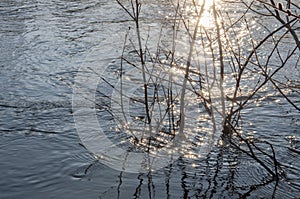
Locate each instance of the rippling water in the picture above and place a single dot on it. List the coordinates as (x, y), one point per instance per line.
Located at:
(42, 45)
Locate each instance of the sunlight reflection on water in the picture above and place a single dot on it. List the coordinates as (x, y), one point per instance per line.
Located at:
(42, 45)
(207, 19)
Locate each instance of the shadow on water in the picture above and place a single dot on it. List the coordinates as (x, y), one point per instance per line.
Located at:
(42, 45)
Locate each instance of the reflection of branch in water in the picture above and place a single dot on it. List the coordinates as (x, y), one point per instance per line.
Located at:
(120, 183)
(207, 173)
(233, 164)
(85, 172)
(256, 186)
(168, 172)
(254, 151)
(218, 167)
(183, 178)
(251, 145)
(151, 187)
(138, 189)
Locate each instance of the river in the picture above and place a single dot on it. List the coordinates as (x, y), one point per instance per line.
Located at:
(43, 44)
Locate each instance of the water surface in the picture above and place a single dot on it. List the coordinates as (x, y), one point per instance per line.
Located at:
(42, 45)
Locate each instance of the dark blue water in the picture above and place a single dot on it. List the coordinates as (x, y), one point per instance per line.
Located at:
(42, 45)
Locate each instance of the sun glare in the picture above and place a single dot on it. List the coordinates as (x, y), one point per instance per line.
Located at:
(207, 16)
(208, 3)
